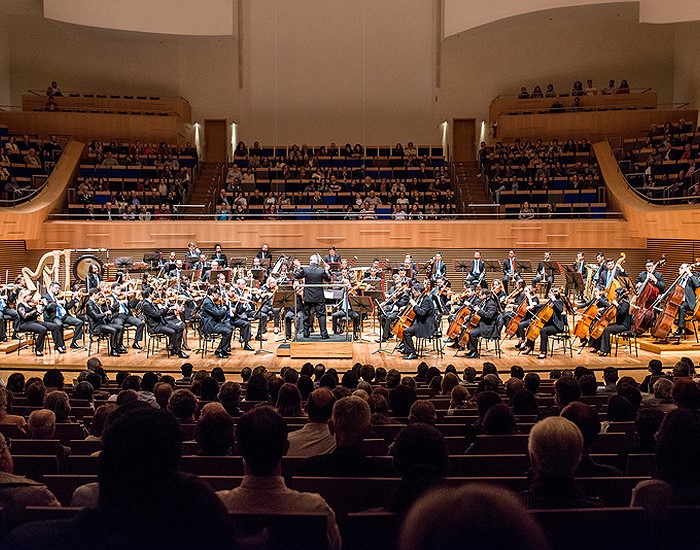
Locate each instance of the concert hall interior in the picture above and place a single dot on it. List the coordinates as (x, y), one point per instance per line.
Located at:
(479, 208)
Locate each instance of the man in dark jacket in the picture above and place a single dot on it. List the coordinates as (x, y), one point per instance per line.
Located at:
(56, 311)
(690, 283)
(157, 325)
(99, 321)
(314, 301)
(424, 324)
(213, 320)
(488, 324)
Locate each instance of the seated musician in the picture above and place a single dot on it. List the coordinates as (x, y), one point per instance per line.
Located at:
(599, 299)
(259, 267)
(439, 267)
(57, 311)
(242, 311)
(99, 318)
(554, 325)
(220, 257)
(266, 294)
(488, 323)
(690, 284)
(623, 323)
(655, 277)
(207, 274)
(423, 325)
(264, 255)
(374, 271)
(176, 272)
(202, 265)
(192, 255)
(7, 313)
(544, 274)
(469, 296)
(122, 315)
(499, 291)
(93, 278)
(213, 318)
(29, 311)
(478, 271)
(345, 311)
(533, 303)
(298, 310)
(157, 324)
(510, 270)
(397, 300)
(332, 257)
(442, 294)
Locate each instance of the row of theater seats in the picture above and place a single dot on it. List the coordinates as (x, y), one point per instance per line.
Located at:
(369, 151)
(19, 169)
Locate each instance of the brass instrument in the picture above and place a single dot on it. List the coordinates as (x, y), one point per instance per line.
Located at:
(590, 284)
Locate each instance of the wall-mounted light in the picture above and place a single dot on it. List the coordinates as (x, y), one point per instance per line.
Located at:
(444, 126)
(234, 137)
(482, 131)
(198, 138)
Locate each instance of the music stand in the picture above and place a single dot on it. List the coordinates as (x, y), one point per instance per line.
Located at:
(523, 266)
(574, 279)
(553, 267)
(626, 283)
(258, 274)
(463, 267)
(191, 274)
(377, 297)
(283, 299)
(334, 266)
(237, 264)
(360, 305)
(214, 273)
(493, 265)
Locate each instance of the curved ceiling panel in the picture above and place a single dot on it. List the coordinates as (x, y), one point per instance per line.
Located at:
(184, 17)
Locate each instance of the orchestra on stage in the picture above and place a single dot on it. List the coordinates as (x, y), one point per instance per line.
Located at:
(232, 301)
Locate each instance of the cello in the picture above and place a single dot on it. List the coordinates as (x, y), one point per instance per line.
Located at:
(643, 302)
(540, 320)
(672, 300)
(606, 317)
(519, 315)
(456, 325)
(582, 328)
(470, 325)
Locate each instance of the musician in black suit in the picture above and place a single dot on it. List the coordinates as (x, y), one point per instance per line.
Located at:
(314, 301)
(28, 312)
(99, 321)
(609, 272)
(476, 273)
(220, 257)
(423, 325)
(213, 319)
(623, 321)
(439, 267)
(580, 264)
(655, 277)
(690, 283)
(156, 324)
(122, 315)
(332, 257)
(488, 324)
(93, 278)
(399, 296)
(544, 273)
(176, 272)
(192, 255)
(264, 255)
(6, 314)
(56, 311)
(345, 311)
(242, 311)
(554, 325)
(300, 314)
(510, 270)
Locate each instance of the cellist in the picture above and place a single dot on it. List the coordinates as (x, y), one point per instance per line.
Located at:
(623, 323)
(423, 325)
(655, 277)
(600, 300)
(690, 283)
(488, 324)
(533, 303)
(552, 326)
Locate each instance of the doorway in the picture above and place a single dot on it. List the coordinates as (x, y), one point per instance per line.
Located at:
(464, 139)
(215, 140)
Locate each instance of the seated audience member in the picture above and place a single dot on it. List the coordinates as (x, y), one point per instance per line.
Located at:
(125, 397)
(183, 404)
(499, 420)
(162, 392)
(84, 390)
(646, 425)
(148, 384)
(677, 480)
(314, 438)
(566, 390)
(532, 382)
(42, 424)
(662, 396)
(350, 422)
(289, 401)
(186, 370)
(686, 394)
(53, 379)
(214, 433)
(379, 408)
(262, 441)
(586, 419)
(16, 382)
(422, 412)
(143, 501)
(401, 398)
(58, 402)
(524, 403)
(481, 517)
(35, 394)
(619, 410)
(18, 492)
(230, 398)
(459, 399)
(99, 421)
(555, 445)
(655, 370)
(421, 458)
(588, 384)
(610, 376)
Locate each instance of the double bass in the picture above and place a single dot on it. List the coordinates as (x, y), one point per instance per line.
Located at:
(643, 302)
(672, 300)
(615, 284)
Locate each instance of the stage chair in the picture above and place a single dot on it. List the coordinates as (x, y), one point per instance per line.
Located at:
(629, 340)
(153, 341)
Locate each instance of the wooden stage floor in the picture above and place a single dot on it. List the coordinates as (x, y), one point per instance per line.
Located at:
(136, 362)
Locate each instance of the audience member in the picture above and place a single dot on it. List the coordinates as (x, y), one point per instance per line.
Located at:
(214, 433)
(422, 412)
(314, 438)
(42, 424)
(610, 376)
(230, 398)
(289, 401)
(183, 405)
(586, 419)
(58, 402)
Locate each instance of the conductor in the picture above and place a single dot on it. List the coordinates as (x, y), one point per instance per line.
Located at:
(314, 301)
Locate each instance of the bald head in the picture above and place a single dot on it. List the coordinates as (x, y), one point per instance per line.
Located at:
(320, 405)
(42, 424)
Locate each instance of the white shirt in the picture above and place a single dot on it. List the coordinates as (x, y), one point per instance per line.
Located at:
(313, 439)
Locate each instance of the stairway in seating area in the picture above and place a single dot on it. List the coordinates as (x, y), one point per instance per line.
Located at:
(472, 188)
(205, 187)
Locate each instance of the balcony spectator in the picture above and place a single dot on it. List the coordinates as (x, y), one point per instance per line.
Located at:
(624, 88)
(610, 89)
(526, 212)
(537, 93)
(31, 158)
(590, 89)
(577, 89)
(523, 93)
(550, 91)
(110, 160)
(53, 90)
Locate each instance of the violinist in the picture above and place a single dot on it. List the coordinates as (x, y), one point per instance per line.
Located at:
(544, 273)
(623, 323)
(300, 320)
(510, 270)
(56, 311)
(655, 277)
(220, 257)
(690, 284)
(242, 311)
(477, 272)
(499, 291)
(123, 316)
(93, 278)
(488, 322)
(7, 313)
(553, 325)
(213, 317)
(100, 321)
(374, 271)
(267, 294)
(155, 317)
(29, 311)
(345, 311)
(423, 325)
(397, 300)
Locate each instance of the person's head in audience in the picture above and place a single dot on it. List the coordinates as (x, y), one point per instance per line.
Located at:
(555, 445)
(6, 463)
(121, 376)
(307, 369)
(290, 376)
(646, 424)
(380, 376)
(681, 370)
(367, 373)
(488, 368)
(262, 440)
(554, 374)
(257, 388)
(58, 402)
(341, 391)
(379, 407)
(449, 381)
(532, 382)
(149, 381)
(15, 382)
(421, 371)
(513, 385)
(183, 405)
(214, 433)
(627, 380)
(408, 381)
(422, 411)
(357, 369)
(488, 383)
(663, 389)
(431, 373)
(469, 375)
(162, 393)
(95, 380)
(620, 409)
(319, 406)
(319, 371)
(459, 397)
(610, 375)
(350, 421)
(566, 390)
(499, 420)
(94, 364)
(524, 403)
(100, 419)
(209, 390)
(503, 522)
(289, 401)
(631, 393)
(125, 397)
(485, 400)
(686, 393)
(306, 386)
(691, 365)
(516, 371)
(656, 367)
(349, 380)
(246, 374)
(83, 390)
(451, 369)
(35, 394)
(586, 419)
(31, 380)
(400, 400)
(327, 381)
(132, 382)
(53, 379)
(588, 385)
(393, 378)
(42, 424)
(678, 454)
